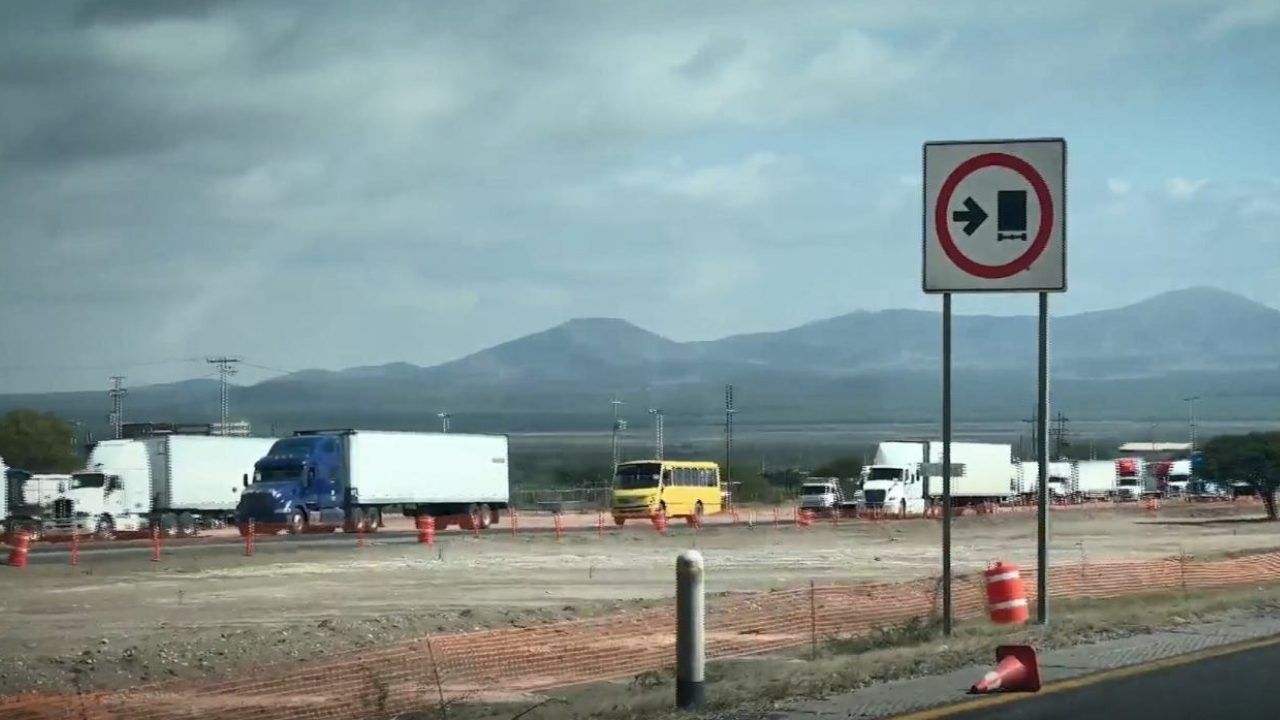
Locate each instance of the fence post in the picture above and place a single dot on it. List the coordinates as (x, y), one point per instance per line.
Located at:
(248, 539)
(559, 522)
(599, 524)
(776, 520)
(515, 521)
(75, 544)
(813, 621)
(690, 631)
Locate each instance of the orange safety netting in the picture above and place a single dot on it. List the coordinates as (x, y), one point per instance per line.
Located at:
(473, 666)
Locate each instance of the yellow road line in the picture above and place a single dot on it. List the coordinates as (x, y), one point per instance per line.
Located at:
(987, 701)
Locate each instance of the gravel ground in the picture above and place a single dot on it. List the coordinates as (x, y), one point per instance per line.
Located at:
(118, 619)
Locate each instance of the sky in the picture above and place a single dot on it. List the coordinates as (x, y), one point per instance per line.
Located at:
(331, 184)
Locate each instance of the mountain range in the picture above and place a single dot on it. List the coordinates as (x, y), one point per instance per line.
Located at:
(1132, 362)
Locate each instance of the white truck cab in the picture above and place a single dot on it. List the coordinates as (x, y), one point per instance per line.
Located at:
(111, 494)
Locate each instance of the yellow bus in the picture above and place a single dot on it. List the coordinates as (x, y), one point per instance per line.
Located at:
(678, 488)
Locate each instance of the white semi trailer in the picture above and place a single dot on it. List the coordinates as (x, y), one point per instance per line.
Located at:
(904, 475)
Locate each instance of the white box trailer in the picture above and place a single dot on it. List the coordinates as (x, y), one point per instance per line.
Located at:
(405, 468)
(1061, 478)
(1096, 478)
(989, 471)
(201, 474)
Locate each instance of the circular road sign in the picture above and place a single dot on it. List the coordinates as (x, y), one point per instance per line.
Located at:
(1043, 231)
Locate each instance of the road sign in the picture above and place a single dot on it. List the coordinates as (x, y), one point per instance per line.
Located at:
(995, 216)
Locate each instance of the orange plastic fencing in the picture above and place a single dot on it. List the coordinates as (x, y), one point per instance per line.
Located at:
(471, 667)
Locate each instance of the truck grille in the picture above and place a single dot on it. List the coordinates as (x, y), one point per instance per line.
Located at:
(873, 498)
(63, 508)
(255, 505)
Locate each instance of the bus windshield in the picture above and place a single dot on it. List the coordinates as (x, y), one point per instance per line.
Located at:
(637, 477)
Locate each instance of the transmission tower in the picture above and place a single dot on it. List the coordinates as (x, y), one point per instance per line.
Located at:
(657, 431)
(444, 421)
(618, 426)
(117, 393)
(729, 411)
(1060, 434)
(226, 368)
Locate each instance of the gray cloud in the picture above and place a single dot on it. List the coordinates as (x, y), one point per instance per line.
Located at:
(324, 184)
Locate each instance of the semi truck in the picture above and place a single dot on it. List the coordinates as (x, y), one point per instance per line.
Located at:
(323, 480)
(904, 475)
(1060, 479)
(1133, 481)
(827, 496)
(1095, 479)
(182, 483)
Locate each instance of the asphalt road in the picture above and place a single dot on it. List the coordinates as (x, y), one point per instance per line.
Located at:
(1238, 685)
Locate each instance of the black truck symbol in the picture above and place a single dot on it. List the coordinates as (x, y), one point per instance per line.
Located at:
(1011, 215)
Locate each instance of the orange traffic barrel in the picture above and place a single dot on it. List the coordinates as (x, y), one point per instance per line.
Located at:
(426, 529)
(21, 547)
(1006, 596)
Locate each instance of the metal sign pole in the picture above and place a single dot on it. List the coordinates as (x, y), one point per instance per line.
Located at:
(1042, 451)
(946, 463)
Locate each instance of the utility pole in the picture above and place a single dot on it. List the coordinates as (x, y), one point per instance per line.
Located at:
(444, 421)
(226, 368)
(618, 426)
(1191, 418)
(729, 410)
(117, 393)
(657, 431)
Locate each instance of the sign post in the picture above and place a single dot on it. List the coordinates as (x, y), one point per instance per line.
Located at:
(995, 221)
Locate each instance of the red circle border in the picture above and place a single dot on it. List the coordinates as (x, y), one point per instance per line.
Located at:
(1023, 261)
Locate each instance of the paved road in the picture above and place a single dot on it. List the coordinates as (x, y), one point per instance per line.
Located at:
(1238, 685)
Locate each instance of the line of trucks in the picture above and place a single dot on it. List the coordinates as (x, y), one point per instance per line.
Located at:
(316, 480)
(905, 476)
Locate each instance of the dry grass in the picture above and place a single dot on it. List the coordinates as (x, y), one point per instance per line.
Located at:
(754, 684)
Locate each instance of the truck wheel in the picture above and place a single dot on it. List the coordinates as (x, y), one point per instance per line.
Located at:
(619, 521)
(356, 521)
(169, 525)
(471, 520)
(106, 529)
(297, 523)
(372, 519)
(187, 524)
(485, 516)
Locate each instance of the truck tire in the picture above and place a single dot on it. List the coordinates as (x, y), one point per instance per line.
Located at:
(372, 519)
(485, 516)
(169, 525)
(471, 520)
(106, 529)
(356, 521)
(297, 523)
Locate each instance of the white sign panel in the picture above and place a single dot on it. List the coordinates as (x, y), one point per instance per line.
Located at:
(995, 216)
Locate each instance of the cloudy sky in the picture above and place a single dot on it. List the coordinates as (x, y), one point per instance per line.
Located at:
(327, 184)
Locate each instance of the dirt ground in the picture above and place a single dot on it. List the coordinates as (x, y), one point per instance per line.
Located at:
(206, 610)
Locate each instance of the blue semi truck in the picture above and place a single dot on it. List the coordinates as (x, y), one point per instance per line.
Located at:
(322, 480)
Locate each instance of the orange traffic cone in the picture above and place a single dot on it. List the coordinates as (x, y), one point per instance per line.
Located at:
(1016, 671)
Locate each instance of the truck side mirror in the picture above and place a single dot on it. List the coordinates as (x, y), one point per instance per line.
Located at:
(244, 481)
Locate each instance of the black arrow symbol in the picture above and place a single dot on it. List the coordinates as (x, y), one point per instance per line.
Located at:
(972, 216)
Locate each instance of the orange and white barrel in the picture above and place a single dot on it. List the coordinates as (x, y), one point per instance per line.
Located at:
(1006, 595)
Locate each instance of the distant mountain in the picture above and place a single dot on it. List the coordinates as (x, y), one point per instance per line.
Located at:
(1130, 362)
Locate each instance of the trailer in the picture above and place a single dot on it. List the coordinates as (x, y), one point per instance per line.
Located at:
(1061, 479)
(1095, 479)
(321, 480)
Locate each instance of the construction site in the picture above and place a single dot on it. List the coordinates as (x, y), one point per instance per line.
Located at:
(547, 602)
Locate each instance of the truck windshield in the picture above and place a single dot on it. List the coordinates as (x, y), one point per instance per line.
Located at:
(281, 475)
(885, 473)
(815, 489)
(294, 446)
(637, 477)
(1128, 481)
(88, 480)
